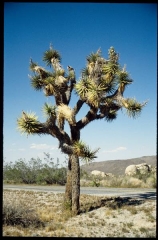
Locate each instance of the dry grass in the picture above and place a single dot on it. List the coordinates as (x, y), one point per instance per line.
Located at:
(99, 217)
(120, 181)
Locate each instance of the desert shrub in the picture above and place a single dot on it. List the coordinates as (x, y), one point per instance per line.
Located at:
(20, 215)
(51, 175)
(151, 181)
(95, 183)
(22, 171)
(10, 173)
(84, 174)
(85, 183)
(114, 181)
(123, 181)
(131, 182)
(34, 171)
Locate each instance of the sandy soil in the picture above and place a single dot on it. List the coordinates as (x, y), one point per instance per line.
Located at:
(131, 219)
(124, 222)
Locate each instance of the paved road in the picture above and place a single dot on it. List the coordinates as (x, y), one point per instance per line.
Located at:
(140, 193)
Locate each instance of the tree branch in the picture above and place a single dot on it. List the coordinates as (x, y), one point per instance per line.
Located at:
(66, 148)
(90, 116)
(78, 106)
(66, 92)
(58, 98)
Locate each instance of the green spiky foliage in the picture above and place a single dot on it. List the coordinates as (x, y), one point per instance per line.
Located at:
(49, 80)
(92, 58)
(123, 79)
(89, 91)
(82, 87)
(28, 124)
(84, 152)
(111, 80)
(49, 110)
(65, 112)
(36, 82)
(94, 94)
(32, 65)
(49, 54)
(112, 115)
(101, 87)
(113, 55)
(134, 108)
(110, 69)
(84, 72)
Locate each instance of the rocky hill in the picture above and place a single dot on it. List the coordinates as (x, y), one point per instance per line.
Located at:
(117, 167)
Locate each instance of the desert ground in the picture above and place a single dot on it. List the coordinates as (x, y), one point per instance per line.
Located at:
(100, 216)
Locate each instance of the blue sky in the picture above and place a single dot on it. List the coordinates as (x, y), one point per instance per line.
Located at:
(76, 30)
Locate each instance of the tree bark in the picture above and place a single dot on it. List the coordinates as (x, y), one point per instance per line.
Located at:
(68, 188)
(75, 184)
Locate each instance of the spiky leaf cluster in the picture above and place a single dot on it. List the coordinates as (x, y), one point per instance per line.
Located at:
(112, 114)
(110, 69)
(49, 110)
(28, 124)
(98, 79)
(49, 80)
(92, 58)
(84, 152)
(84, 72)
(65, 112)
(94, 94)
(134, 108)
(36, 82)
(108, 86)
(123, 79)
(113, 56)
(49, 86)
(32, 65)
(82, 87)
(49, 54)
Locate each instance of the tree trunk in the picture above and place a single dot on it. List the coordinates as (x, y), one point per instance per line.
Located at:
(68, 189)
(75, 184)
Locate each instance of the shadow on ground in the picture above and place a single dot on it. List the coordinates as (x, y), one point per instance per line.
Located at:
(112, 202)
(147, 195)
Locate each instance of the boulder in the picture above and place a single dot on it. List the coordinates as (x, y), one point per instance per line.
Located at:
(131, 170)
(98, 173)
(142, 168)
(109, 175)
(102, 174)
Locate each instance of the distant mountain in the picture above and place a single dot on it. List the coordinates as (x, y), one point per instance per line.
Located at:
(117, 167)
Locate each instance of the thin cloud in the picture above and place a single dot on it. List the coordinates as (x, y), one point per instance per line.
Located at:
(21, 149)
(42, 146)
(116, 150)
(11, 150)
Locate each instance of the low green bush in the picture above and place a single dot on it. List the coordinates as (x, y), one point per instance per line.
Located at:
(34, 171)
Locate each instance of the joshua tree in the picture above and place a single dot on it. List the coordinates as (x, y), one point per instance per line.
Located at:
(100, 88)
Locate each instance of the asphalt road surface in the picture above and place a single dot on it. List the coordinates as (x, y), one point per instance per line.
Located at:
(139, 193)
